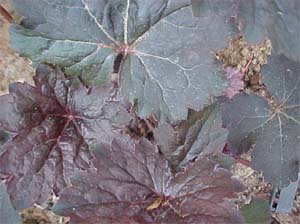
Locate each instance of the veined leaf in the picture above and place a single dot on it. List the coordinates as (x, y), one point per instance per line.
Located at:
(274, 130)
(133, 184)
(52, 122)
(168, 63)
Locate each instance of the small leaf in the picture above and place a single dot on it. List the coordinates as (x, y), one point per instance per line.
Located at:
(155, 204)
(235, 81)
(133, 184)
(257, 212)
(53, 123)
(7, 213)
(287, 197)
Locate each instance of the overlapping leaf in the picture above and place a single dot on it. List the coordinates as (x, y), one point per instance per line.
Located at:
(257, 212)
(275, 130)
(133, 184)
(4, 136)
(52, 123)
(275, 19)
(201, 134)
(168, 62)
(7, 213)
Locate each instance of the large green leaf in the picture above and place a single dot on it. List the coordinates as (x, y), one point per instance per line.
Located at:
(168, 62)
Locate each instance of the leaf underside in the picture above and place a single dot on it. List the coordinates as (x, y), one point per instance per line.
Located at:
(52, 123)
(275, 131)
(132, 183)
(168, 64)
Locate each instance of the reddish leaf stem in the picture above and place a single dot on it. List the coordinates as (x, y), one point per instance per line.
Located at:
(243, 161)
(236, 158)
(244, 70)
(6, 14)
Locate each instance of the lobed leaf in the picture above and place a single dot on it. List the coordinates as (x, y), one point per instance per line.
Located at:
(167, 62)
(275, 130)
(53, 122)
(132, 183)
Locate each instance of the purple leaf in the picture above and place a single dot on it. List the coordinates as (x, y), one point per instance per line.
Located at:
(235, 81)
(132, 183)
(53, 123)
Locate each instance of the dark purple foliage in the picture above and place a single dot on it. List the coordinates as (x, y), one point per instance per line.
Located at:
(132, 183)
(53, 122)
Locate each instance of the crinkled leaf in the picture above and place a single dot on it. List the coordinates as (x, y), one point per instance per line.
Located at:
(53, 122)
(275, 131)
(133, 184)
(275, 19)
(201, 134)
(257, 212)
(168, 62)
(7, 213)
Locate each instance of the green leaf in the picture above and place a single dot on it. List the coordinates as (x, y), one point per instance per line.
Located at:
(257, 212)
(272, 127)
(168, 64)
(275, 19)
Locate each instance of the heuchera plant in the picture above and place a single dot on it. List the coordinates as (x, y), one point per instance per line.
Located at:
(101, 64)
